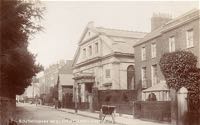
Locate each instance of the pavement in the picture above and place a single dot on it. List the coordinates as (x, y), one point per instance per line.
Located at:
(121, 119)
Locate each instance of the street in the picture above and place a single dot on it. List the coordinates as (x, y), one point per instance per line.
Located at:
(30, 114)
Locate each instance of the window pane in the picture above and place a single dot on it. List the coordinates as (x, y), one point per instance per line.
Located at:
(96, 47)
(90, 50)
(153, 50)
(189, 38)
(107, 73)
(84, 53)
(172, 44)
(143, 53)
(154, 74)
(144, 76)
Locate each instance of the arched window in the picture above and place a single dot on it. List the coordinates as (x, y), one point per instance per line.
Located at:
(130, 77)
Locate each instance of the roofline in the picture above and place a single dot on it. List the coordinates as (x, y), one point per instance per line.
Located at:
(147, 40)
(65, 73)
(166, 24)
(120, 30)
(183, 15)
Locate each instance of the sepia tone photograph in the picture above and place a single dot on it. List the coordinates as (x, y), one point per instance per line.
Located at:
(99, 62)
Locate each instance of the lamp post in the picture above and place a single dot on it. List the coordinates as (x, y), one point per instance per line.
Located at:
(76, 107)
(77, 95)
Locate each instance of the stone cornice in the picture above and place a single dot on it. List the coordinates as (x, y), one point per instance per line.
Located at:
(88, 40)
(98, 58)
(89, 61)
(83, 77)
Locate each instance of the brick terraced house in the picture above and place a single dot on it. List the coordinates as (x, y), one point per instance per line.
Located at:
(167, 35)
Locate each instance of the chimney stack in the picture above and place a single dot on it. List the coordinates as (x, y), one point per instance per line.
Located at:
(158, 20)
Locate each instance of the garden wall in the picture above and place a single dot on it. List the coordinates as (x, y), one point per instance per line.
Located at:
(153, 110)
(122, 99)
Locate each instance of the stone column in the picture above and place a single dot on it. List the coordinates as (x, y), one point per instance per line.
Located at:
(83, 93)
(182, 105)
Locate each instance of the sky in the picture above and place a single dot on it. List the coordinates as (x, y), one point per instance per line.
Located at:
(64, 22)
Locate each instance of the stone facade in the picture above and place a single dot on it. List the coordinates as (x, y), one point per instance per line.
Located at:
(176, 30)
(102, 60)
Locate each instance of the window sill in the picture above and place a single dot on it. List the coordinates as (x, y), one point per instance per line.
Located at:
(189, 47)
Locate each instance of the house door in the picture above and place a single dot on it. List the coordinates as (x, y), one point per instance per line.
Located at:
(130, 77)
(88, 88)
(90, 102)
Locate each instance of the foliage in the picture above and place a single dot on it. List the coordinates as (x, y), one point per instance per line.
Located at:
(179, 69)
(51, 95)
(18, 23)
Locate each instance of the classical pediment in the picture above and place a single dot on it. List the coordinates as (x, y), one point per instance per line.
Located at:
(89, 35)
(108, 41)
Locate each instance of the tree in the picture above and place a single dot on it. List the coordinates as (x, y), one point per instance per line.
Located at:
(18, 23)
(179, 69)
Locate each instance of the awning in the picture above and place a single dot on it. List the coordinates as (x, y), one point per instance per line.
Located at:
(162, 86)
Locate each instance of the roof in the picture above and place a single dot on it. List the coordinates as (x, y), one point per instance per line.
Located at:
(155, 33)
(162, 86)
(122, 40)
(67, 68)
(181, 20)
(184, 15)
(124, 47)
(120, 33)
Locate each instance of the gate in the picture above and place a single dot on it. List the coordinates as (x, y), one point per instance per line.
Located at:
(193, 115)
(67, 101)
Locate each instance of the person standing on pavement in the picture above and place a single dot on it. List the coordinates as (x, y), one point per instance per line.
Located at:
(56, 103)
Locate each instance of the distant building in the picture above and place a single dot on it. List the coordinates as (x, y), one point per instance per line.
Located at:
(105, 60)
(65, 84)
(49, 79)
(32, 91)
(42, 85)
(181, 33)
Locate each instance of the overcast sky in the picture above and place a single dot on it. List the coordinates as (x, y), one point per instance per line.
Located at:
(65, 21)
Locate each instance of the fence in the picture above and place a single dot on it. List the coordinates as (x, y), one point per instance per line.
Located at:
(122, 99)
(153, 110)
(123, 108)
